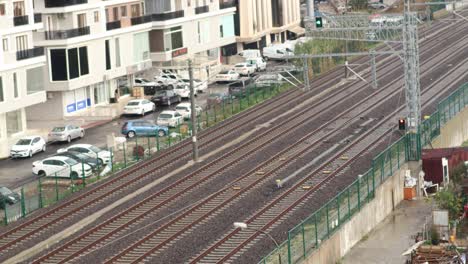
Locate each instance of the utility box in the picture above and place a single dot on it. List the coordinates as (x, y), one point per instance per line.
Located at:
(409, 193)
(138, 92)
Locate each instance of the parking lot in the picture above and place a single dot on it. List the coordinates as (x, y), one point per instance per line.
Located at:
(17, 172)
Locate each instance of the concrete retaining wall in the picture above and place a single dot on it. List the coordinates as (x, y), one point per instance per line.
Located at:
(387, 196)
(454, 132)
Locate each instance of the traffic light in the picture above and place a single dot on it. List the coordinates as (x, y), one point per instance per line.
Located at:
(402, 124)
(318, 22)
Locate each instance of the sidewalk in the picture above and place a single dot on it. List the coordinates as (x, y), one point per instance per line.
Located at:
(391, 237)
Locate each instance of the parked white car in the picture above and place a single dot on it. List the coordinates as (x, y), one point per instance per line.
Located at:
(61, 166)
(183, 92)
(139, 107)
(66, 133)
(200, 86)
(103, 156)
(260, 63)
(185, 110)
(144, 82)
(27, 147)
(245, 68)
(171, 80)
(227, 76)
(277, 52)
(250, 53)
(169, 118)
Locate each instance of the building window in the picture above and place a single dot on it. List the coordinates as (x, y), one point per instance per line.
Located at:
(108, 59)
(96, 16)
(34, 80)
(142, 8)
(117, 52)
(140, 47)
(198, 31)
(69, 67)
(18, 9)
(123, 11)
(15, 85)
(5, 44)
(135, 9)
(1, 89)
(2, 9)
(115, 13)
(173, 38)
(14, 122)
(227, 27)
(81, 19)
(22, 42)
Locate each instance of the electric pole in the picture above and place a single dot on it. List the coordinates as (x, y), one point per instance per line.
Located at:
(193, 114)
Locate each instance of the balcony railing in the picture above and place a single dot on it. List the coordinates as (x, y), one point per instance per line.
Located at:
(227, 4)
(202, 9)
(30, 53)
(37, 18)
(141, 20)
(63, 3)
(167, 16)
(113, 25)
(65, 34)
(20, 20)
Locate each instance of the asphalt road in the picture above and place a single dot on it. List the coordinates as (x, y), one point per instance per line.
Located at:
(16, 172)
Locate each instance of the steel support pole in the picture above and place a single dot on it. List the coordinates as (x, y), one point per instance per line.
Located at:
(373, 69)
(193, 114)
(306, 74)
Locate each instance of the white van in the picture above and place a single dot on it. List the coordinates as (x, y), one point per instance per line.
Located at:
(277, 52)
(250, 53)
(260, 63)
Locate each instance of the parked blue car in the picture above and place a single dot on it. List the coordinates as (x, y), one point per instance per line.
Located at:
(143, 128)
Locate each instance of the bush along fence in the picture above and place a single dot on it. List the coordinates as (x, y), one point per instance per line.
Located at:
(307, 236)
(48, 189)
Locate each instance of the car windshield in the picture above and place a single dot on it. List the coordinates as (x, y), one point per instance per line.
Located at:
(71, 162)
(185, 80)
(240, 65)
(161, 93)
(197, 80)
(223, 72)
(23, 142)
(165, 116)
(133, 103)
(184, 108)
(144, 80)
(5, 191)
(95, 149)
(58, 129)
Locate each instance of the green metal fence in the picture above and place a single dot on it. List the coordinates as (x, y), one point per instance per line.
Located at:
(49, 189)
(311, 232)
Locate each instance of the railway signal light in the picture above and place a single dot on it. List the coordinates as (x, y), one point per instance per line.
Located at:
(402, 124)
(318, 22)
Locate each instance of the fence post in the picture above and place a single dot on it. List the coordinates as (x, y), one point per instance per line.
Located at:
(382, 171)
(83, 173)
(398, 154)
(328, 223)
(169, 138)
(263, 93)
(349, 205)
(359, 193)
(289, 247)
(149, 147)
(198, 122)
(373, 179)
(206, 117)
(56, 188)
(23, 205)
(178, 130)
(40, 193)
(303, 240)
(215, 119)
(111, 160)
(232, 105)
(125, 154)
(4, 204)
(255, 94)
(157, 141)
(368, 189)
(316, 230)
(136, 148)
(224, 113)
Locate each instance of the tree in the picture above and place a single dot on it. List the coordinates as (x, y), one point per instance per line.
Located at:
(447, 199)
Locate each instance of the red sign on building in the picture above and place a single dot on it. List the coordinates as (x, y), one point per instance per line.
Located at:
(179, 52)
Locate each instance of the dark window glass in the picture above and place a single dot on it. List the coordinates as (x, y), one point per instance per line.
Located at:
(58, 64)
(177, 40)
(108, 60)
(84, 61)
(73, 69)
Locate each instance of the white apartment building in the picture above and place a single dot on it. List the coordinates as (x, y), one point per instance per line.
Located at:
(196, 29)
(262, 22)
(93, 48)
(21, 70)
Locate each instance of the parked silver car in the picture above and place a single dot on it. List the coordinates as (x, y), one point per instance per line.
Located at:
(66, 133)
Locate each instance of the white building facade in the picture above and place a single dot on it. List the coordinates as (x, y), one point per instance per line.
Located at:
(196, 29)
(21, 70)
(93, 48)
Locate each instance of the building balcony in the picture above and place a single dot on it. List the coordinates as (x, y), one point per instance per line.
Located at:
(20, 20)
(167, 16)
(113, 25)
(202, 9)
(63, 3)
(66, 34)
(29, 53)
(227, 4)
(141, 20)
(37, 18)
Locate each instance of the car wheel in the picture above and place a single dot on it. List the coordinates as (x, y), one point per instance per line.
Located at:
(170, 87)
(161, 133)
(44, 148)
(100, 162)
(131, 134)
(68, 139)
(82, 134)
(41, 174)
(74, 175)
(30, 154)
(142, 112)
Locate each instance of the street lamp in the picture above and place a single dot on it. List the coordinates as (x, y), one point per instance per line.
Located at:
(243, 225)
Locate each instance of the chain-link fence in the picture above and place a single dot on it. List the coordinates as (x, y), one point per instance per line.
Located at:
(310, 233)
(53, 185)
